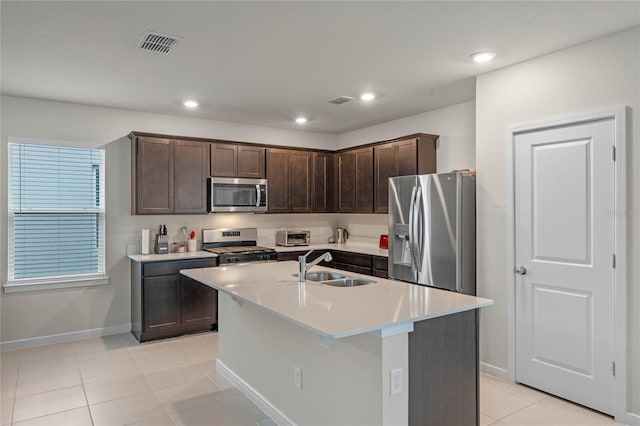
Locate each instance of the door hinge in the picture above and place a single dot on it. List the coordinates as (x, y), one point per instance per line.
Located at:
(613, 153)
(613, 261)
(613, 365)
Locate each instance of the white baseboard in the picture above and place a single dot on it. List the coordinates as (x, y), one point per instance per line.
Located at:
(256, 397)
(629, 419)
(494, 371)
(64, 337)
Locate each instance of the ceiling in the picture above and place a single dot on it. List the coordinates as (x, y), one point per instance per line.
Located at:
(265, 63)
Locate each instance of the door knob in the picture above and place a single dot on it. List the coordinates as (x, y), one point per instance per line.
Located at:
(521, 270)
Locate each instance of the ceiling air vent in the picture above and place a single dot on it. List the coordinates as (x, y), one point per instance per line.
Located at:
(158, 43)
(340, 100)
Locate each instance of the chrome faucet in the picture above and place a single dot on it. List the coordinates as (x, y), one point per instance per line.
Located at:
(303, 266)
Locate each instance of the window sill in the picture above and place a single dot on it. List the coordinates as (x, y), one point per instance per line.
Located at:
(17, 286)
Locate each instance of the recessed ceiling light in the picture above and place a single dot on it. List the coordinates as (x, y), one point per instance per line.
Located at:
(190, 104)
(482, 57)
(367, 96)
(301, 120)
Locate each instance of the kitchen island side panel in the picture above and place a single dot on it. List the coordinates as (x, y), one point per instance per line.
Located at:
(344, 383)
(443, 371)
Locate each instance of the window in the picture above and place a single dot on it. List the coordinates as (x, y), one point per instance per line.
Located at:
(56, 217)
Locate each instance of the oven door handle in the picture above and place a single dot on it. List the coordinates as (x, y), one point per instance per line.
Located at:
(259, 196)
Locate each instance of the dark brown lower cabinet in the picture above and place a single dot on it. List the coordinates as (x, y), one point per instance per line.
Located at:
(352, 262)
(160, 306)
(380, 266)
(166, 304)
(201, 302)
(345, 261)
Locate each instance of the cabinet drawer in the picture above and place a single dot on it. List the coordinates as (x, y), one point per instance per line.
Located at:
(381, 263)
(293, 255)
(173, 267)
(352, 258)
(352, 268)
(290, 255)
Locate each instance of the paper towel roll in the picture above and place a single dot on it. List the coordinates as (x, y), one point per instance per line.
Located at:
(145, 241)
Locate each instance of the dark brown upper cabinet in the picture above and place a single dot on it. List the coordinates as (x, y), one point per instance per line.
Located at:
(324, 182)
(190, 172)
(235, 160)
(290, 180)
(278, 177)
(355, 180)
(168, 176)
(300, 181)
(416, 155)
(152, 176)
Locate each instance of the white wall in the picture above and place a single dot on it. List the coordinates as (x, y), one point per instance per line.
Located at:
(455, 125)
(96, 126)
(595, 75)
(45, 313)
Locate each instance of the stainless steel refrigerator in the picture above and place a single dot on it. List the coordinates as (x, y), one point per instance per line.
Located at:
(432, 230)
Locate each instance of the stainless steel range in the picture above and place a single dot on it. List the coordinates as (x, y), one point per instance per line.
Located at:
(236, 246)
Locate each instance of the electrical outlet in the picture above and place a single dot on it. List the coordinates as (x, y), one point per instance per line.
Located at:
(297, 377)
(395, 381)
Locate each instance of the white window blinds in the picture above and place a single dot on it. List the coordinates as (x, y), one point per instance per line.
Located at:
(56, 213)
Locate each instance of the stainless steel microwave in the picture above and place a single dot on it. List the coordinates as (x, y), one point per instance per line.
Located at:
(237, 195)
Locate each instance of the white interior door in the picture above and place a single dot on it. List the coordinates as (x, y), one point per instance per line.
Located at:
(565, 240)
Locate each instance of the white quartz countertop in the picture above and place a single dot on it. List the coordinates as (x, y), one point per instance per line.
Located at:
(171, 256)
(334, 312)
(361, 248)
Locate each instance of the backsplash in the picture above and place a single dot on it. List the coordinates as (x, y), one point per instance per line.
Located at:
(365, 228)
(320, 225)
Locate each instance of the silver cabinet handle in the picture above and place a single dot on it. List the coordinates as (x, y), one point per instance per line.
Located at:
(521, 270)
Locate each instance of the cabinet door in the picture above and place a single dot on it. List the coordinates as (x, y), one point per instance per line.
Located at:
(278, 176)
(224, 160)
(346, 181)
(300, 172)
(199, 305)
(251, 162)
(364, 180)
(407, 158)
(190, 177)
(153, 181)
(161, 304)
(323, 189)
(386, 165)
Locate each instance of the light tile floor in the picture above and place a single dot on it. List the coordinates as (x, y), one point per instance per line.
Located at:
(114, 381)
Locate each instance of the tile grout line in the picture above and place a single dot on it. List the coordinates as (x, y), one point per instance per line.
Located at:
(86, 398)
(515, 412)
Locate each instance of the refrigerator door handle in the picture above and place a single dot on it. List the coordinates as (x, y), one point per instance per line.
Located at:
(420, 235)
(412, 228)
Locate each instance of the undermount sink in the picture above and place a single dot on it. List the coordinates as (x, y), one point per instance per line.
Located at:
(335, 279)
(323, 276)
(348, 282)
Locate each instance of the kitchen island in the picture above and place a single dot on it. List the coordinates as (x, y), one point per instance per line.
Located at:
(309, 353)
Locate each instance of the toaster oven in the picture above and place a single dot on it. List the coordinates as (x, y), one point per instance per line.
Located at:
(293, 238)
